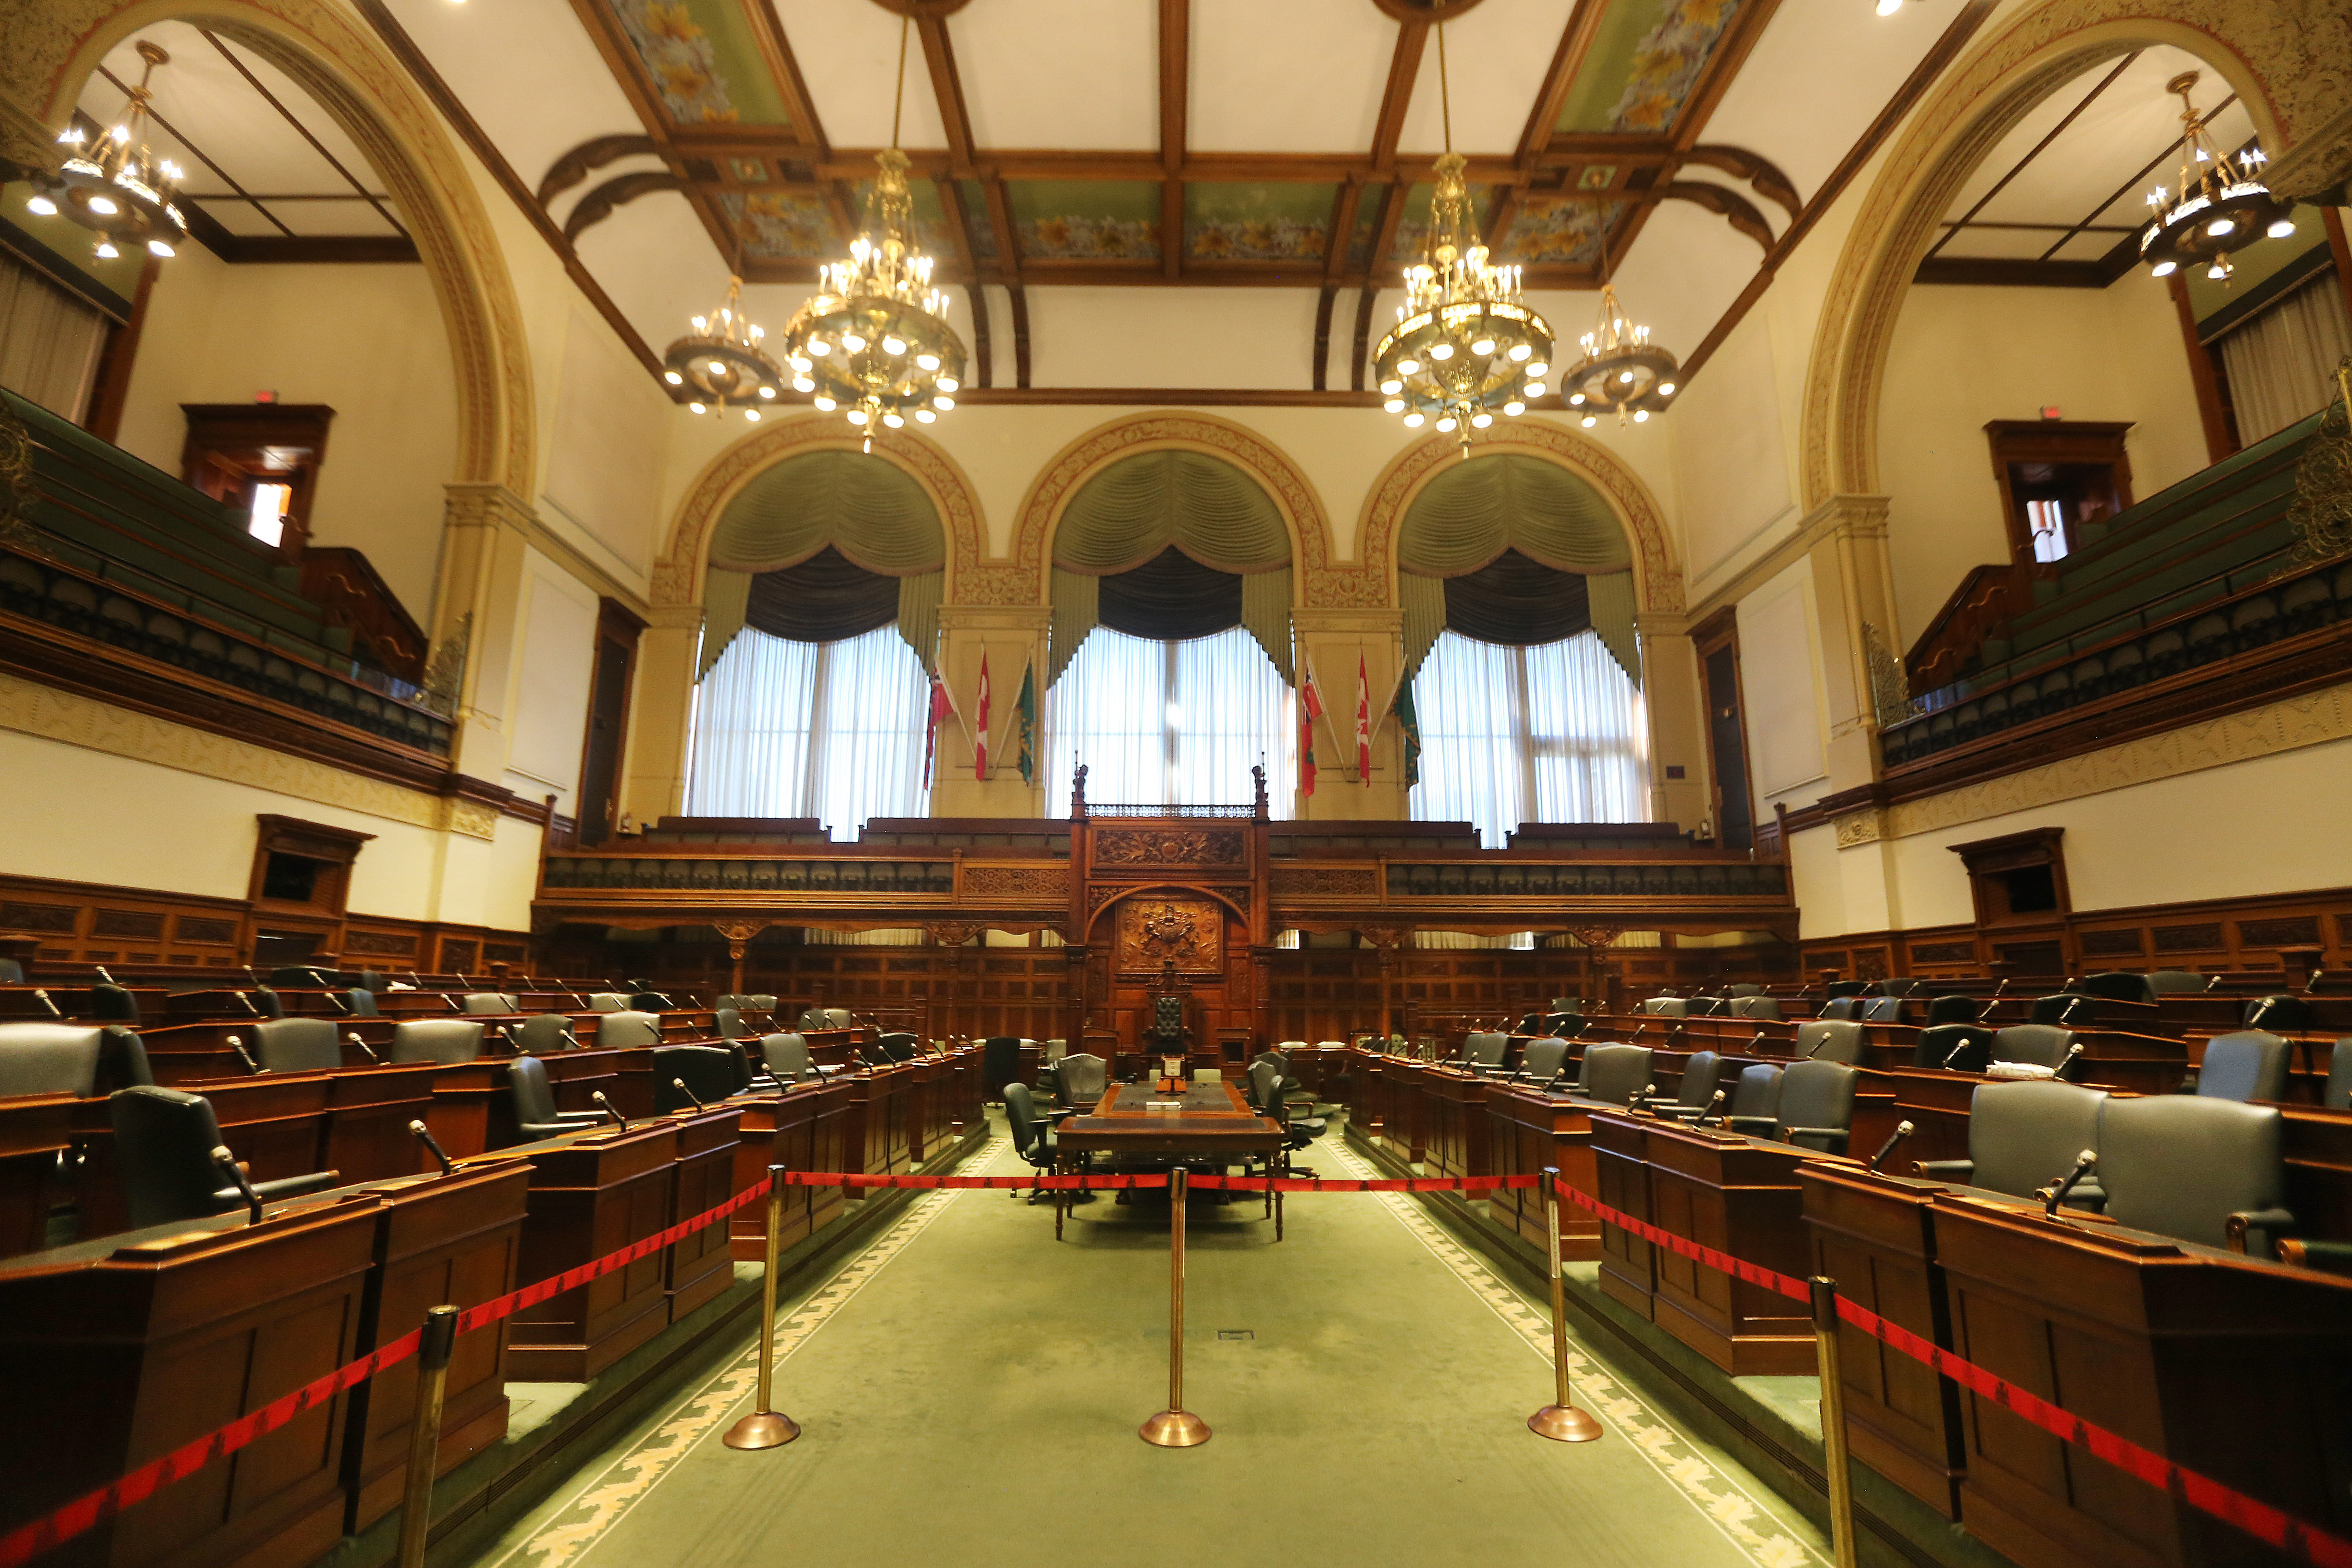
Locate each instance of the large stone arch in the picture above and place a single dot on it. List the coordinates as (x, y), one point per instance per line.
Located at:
(677, 575)
(2294, 73)
(370, 94)
(1657, 568)
(1023, 581)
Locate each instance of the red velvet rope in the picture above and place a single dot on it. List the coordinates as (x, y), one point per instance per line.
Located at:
(2304, 1542)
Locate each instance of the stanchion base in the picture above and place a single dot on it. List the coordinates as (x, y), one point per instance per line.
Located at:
(1175, 1429)
(1564, 1424)
(765, 1430)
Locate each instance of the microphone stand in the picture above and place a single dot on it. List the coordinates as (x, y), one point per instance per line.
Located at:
(2053, 1196)
(1902, 1129)
(424, 1136)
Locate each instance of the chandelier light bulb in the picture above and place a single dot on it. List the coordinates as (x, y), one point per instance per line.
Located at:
(2218, 271)
(1519, 352)
(41, 206)
(105, 250)
(1413, 421)
(2283, 229)
(1409, 366)
(1665, 389)
(950, 383)
(857, 417)
(1534, 389)
(1576, 400)
(103, 206)
(927, 362)
(893, 421)
(803, 383)
(1588, 421)
(1391, 387)
(1888, 7)
(157, 248)
(672, 377)
(1447, 422)
(1441, 352)
(1393, 406)
(2220, 226)
(1640, 415)
(695, 406)
(1483, 347)
(1480, 421)
(925, 417)
(1514, 408)
(852, 341)
(944, 405)
(818, 348)
(767, 391)
(894, 347)
(2165, 268)
(752, 414)
(825, 405)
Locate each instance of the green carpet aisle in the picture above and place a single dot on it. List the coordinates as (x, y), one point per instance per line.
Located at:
(969, 1392)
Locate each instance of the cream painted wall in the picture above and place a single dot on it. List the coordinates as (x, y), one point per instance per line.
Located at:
(1733, 490)
(1963, 356)
(366, 340)
(550, 677)
(1780, 684)
(97, 819)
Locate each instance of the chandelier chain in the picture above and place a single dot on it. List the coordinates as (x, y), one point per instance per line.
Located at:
(898, 103)
(1445, 91)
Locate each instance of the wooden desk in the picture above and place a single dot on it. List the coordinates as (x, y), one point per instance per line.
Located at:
(2237, 1369)
(1214, 1125)
(1875, 1236)
(591, 1194)
(701, 1266)
(454, 1239)
(116, 1354)
(1527, 1131)
(1734, 1194)
(33, 1130)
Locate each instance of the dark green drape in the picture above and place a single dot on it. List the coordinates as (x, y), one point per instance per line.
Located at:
(871, 511)
(1514, 600)
(825, 598)
(1170, 598)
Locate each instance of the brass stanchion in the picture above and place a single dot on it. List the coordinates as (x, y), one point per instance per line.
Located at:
(1560, 1420)
(767, 1427)
(440, 1332)
(1834, 1457)
(1175, 1427)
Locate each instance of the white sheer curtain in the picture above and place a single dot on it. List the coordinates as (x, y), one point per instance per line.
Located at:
(833, 730)
(1172, 723)
(49, 340)
(2282, 364)
(1549, 734)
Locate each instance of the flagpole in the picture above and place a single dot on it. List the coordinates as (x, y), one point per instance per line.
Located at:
(1333, 730)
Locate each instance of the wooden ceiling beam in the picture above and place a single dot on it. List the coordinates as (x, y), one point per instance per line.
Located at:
(1748, 25)
(1396, 96)
(1175, 90)
(1575, 44)
(946, 84)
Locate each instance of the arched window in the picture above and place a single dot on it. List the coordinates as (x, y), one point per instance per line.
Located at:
(821, 613)
(1517, 592)
(1170, 650)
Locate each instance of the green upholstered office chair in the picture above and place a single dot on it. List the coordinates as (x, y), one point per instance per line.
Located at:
(2280, 1010)
(265, 1002)
(113, 1005)
(2118, 985)
(1616, 1074)
(1743, 988)
(729, 1020)
(1816, 1106)
(1542, 1062)
(1298, 1131)
(1483, 1049)
(359, 1002)
(1666, 1007)
(898, 1046)
(2035, 1046)
(628, 1028)
(1830, 1040)
(444, 1040)
(2023, 1137)
(1080, 1080)
(2064, 1009)
(1954, 1009)
(11, 971)
(534, 1103)
(2248, 1065)
(1756, 1008)
(2207, 1171)
(999, 1060)
(2179, 982)
(163, 1144)
(607, 1002)
(2337, 1095)
(1755, 1102)
(1961, 1048)
(787, 1059)
(488, 1003)
(1702, 1075)
(1033, 1136)
(1847, 1009)
(541, 1033)
(708, 1073)
(297, 1044)
(1894, 986)
(87, 1059)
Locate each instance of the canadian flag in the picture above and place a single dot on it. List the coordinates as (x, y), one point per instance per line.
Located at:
(980, 746)
(1363, 723)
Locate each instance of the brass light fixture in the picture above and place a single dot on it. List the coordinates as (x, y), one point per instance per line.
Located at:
(2221, 209)
(1465, 344)
(874, 340)
(118, 189)
(1622, 372)
(722, 363)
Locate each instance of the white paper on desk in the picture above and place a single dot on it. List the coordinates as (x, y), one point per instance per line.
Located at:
(1163, 1106)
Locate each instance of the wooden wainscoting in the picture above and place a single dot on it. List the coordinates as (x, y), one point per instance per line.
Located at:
(95, 922)
(2206, 934)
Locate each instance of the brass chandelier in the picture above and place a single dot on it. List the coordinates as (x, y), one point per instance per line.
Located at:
(721, 363)
(1622, 372)
(1465, 344)
(2222, 208)
(119, 189)
(874, 340)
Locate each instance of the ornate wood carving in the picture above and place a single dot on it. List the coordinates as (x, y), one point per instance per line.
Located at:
(1154, 932)
(1170, 847)
(1042, 884)
(1324, 882)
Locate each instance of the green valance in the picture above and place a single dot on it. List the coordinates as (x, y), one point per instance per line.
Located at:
(1471, 512)
(1138, 507)
(872, 512)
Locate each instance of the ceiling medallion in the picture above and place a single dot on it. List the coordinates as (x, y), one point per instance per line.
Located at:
(119, 189)
(1622, 372)
(720, 362)
(1465, 344)
(874, 340)
(2221, 207)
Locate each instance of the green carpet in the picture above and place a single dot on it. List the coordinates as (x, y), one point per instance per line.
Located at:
(969, 1391)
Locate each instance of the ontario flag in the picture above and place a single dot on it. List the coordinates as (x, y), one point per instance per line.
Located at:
(1363, 723)
(980, 746)
(942, 705)
(1310, 708)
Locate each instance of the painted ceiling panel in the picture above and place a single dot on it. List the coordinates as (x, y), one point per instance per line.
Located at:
(847, 51)
(1086, 220)
(703, 59)
(931, 232)
(1558, 228)
(1498, 55)
(1412, 228)
(1645, 57)
(1370, 208)
(1257, 223)
(1061, 73)
(1248, 94)
(779, 225)
(527, 71)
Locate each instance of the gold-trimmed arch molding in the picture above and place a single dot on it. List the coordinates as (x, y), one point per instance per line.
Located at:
(370, 96)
